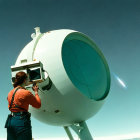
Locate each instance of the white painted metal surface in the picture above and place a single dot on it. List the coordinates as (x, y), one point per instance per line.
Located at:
(79, 73)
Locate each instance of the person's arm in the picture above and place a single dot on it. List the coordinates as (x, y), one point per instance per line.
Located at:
(35, 100)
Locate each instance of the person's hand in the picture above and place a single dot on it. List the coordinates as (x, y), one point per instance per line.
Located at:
(35, 88)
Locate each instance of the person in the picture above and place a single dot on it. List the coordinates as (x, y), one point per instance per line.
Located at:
(18, 123)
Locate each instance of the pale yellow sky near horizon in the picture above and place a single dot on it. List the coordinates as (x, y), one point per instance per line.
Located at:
(119, 137)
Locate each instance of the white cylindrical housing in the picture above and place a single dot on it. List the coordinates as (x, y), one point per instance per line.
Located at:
(78, 71)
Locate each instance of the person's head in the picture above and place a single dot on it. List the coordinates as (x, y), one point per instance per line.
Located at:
(20, 79)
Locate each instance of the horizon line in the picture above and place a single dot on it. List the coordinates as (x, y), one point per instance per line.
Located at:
(116, 137)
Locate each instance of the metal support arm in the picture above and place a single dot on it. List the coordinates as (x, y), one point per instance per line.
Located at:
(81, 130)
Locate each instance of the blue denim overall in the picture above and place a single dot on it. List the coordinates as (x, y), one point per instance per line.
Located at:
(19, 127)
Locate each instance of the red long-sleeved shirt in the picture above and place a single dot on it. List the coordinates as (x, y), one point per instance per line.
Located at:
(23, 98)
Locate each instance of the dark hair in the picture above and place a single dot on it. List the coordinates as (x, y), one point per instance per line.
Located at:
(19, 79)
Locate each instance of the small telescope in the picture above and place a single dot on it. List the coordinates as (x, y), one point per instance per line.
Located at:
(33, 69)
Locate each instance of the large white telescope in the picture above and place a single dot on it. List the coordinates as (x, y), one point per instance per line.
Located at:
(72, 75)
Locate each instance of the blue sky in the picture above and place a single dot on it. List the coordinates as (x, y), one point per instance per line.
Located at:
(115, 27)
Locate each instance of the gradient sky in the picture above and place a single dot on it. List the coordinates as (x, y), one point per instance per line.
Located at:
(115, 27)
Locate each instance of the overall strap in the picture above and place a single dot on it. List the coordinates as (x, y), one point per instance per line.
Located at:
(13, 97)
(16, 106)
